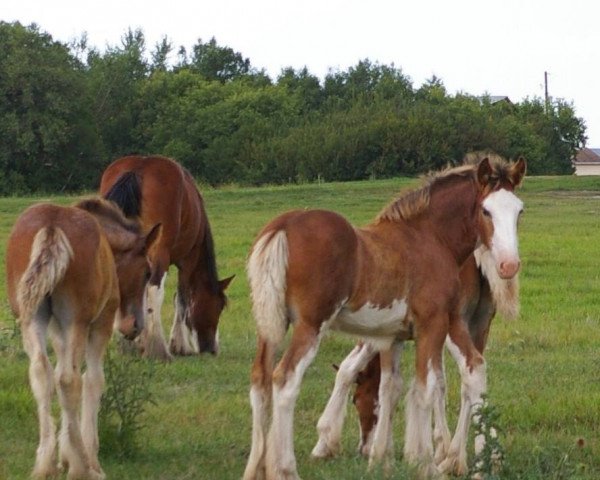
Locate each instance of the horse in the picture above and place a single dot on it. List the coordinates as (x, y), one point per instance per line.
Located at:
(481, 293)
(157, 189)
(71, 272)
(396, 278)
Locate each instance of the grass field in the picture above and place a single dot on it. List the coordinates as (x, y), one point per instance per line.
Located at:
(544, 368)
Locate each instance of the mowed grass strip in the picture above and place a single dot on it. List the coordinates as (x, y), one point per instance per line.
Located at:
(544, 368)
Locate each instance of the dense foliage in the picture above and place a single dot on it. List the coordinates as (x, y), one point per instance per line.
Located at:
(67, 110)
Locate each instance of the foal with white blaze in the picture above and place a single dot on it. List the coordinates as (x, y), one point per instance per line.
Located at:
(395, 278)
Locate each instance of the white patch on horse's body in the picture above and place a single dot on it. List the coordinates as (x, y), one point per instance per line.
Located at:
(372, 320)
(332, 420)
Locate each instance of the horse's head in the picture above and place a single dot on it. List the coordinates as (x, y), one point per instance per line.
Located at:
(365, 400)
(133, 272)
(499, 212)
(205, 313)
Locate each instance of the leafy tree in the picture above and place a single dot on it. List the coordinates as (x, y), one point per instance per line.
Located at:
(160, 55)
(305, 87)
(217, 63)
(115, 79)
(47, 139)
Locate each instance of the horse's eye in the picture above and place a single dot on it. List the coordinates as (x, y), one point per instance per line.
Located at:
(486, 212)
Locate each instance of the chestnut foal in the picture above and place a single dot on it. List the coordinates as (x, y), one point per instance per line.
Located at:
(482, 292)
(396, 278)
(70, 272)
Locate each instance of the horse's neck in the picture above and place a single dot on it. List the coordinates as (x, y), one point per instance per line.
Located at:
(505, 293)
(453, 220)
(203, 271)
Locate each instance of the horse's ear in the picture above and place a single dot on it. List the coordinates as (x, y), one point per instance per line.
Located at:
(225, 282)
(484, 171)
(518, 170)
(151, 237)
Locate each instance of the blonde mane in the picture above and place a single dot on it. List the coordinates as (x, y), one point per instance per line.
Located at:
(411, 203)
(102, 208)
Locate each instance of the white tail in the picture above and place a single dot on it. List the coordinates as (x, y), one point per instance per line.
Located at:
(50, 255)
(267, 269)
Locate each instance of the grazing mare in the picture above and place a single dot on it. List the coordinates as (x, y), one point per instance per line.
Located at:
(71, 271)
(158, 190)
(482, 292)
(397, 278)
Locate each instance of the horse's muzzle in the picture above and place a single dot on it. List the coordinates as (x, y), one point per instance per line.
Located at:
(508, 269)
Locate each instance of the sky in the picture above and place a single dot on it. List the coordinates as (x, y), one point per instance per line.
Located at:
(498, 47)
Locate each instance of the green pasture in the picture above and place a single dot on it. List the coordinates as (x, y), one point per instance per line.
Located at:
(544, 368)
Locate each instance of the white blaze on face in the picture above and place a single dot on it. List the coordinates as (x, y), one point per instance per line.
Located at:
(504, 208)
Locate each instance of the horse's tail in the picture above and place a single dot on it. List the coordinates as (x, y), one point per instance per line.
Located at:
(127, 194)
(267, 270)
(505, 293)
(51, 253)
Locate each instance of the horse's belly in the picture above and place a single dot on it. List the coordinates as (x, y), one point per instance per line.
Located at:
(373, 320)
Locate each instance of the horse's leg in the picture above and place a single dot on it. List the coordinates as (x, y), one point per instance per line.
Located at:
(287, 377)
(69, 340)
(152, 337)
(93, 385)
(332, 419)
(441, 431)
(479, 326)
(390, 387)
(473, 377)
(260, 400)
(418, 448)
(42, 384)
(182, 340)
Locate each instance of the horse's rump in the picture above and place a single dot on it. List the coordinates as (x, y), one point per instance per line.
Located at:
(49, 258)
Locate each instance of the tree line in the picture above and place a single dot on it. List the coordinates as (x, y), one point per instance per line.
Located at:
(67, 110)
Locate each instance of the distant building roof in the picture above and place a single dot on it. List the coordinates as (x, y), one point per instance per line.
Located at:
(499, 98)
(588, 156)
(494, 99)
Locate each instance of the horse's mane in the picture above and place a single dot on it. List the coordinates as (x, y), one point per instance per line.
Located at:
(411, 203)
(110, 211)
(211, 261)
(127, 194)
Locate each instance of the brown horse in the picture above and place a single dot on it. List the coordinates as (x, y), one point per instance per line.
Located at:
(396, 278)
(71, 271)
(158, 190)
(481, 293)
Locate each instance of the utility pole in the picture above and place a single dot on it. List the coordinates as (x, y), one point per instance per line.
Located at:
(546, 98)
